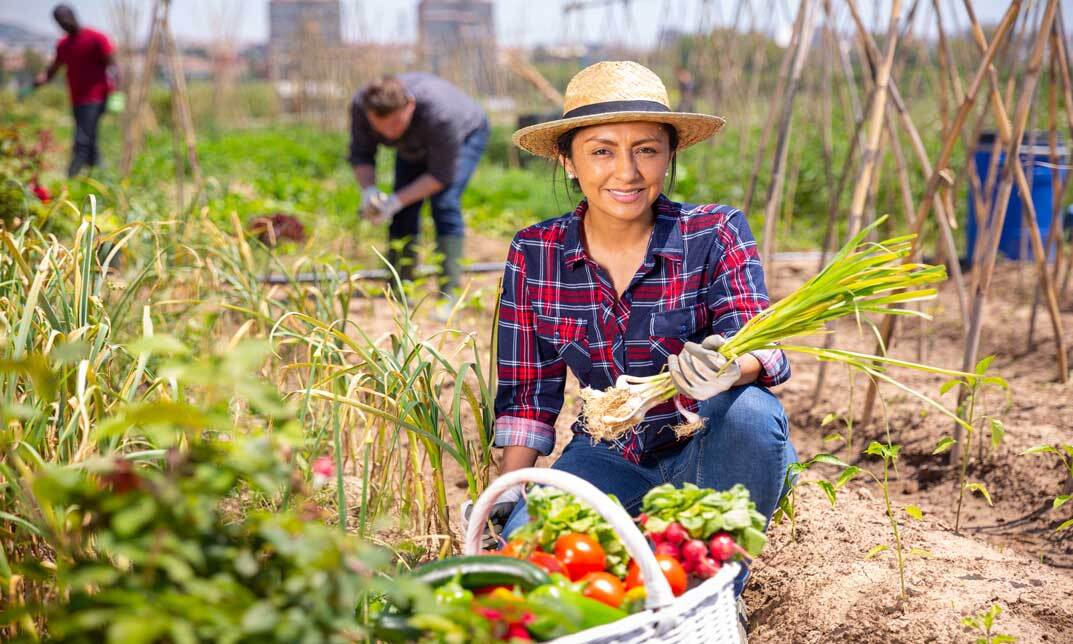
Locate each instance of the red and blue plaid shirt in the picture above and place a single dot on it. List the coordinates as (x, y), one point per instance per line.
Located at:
(701, 275)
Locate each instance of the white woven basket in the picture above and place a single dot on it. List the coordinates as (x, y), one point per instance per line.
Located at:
(705, 614)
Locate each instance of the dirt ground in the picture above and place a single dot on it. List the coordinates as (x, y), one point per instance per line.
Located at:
(823, 588)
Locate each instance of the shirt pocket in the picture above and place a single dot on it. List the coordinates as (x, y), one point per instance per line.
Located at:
(569, 337)
(670, 330)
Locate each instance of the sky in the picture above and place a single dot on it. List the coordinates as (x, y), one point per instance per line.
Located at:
(525, 22)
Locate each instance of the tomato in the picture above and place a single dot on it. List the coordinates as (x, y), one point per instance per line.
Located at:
(580, 554)
(673, 571)
(633, 576)
(514, 548)
(604, 588)
(547, 562)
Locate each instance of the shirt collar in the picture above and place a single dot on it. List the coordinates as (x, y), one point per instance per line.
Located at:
(666, 238)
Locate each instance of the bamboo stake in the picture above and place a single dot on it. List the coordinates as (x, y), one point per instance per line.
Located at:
(776, 101)
(1015, 169)
(942, 216)
(1057, 184)
(778, 171)
(1067, 101)
(875, 122)
(1024, 106)
(133, 133)
(941, 171)
(180, 101)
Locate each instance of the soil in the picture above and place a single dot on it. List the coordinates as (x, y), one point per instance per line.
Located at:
(823, 587)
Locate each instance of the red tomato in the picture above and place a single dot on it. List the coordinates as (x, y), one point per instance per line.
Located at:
(580, 554)
(547, 562)
(514, 548)
(633, 576)
(604, 587)
(673, 571)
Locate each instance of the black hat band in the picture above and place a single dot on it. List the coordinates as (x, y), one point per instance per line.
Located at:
(616, 106)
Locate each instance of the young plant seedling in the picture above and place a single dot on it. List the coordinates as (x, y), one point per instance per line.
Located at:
(889, 453)
(984, 625)
(787, 507)
(967, 412)
(1065, 455)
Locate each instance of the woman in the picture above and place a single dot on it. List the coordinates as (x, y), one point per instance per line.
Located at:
(623, 284)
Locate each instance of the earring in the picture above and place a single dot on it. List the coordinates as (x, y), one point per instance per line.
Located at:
(571, 175)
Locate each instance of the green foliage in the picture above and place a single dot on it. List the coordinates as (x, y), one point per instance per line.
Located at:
(703, 512)
(553, 513)
(983, 624)
(147, 554)
(974, 386)
(1064, 454)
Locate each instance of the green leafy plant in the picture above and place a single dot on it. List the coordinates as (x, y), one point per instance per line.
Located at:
(1064, 453)
(983, 624)
(553, 513)
(971, 420)
(889, 454)
(703, 512)
(787, 507)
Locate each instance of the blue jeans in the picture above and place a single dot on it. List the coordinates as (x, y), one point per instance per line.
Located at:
(447, 203)
(87, 120)
(745, 440)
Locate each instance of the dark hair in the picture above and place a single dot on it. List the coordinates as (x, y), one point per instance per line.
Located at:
(384, 96)
(566, 140)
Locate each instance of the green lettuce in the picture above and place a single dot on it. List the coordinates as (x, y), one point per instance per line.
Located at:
(553, 513)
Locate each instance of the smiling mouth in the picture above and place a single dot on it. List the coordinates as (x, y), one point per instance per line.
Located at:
(625, 193)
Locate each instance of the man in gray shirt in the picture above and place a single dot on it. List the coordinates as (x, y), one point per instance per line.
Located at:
(439, 134)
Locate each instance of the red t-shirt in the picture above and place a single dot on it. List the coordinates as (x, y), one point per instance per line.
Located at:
(86, 56)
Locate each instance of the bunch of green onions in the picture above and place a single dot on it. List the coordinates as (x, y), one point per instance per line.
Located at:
(863, 278)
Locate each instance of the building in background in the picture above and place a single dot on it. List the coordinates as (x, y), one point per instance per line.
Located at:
(300, 29)
(456, 39)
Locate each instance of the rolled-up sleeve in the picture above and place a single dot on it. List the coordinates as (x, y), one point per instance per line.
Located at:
(531, 376)
(362, 144)
(738, 292)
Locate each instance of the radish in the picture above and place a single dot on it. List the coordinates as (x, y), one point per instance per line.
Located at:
(675, 533)
(722, 547)
(642, 518)
(706, 567)
(657, 537)
(689, 566)
(666, 548)
(694, 550)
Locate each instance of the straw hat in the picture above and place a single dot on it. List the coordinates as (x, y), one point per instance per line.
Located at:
(615, 92)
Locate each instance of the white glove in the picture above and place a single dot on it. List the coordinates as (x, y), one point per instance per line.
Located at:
(386, 205)
(501, 509)
(695, 371)
(372, 200)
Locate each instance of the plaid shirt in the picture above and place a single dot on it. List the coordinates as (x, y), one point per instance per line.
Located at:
(701, 275)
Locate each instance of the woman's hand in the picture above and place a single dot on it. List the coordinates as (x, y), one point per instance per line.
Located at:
(696, 370)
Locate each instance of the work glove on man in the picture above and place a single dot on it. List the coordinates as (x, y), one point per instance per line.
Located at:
(695, 371)
(501, 511)
(378, 206)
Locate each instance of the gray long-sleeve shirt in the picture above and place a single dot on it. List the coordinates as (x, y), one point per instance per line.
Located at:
(443, 118)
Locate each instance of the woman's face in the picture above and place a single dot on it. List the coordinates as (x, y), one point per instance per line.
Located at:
(620, 167)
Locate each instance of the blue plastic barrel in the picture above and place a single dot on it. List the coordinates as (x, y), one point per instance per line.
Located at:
(1015, 241)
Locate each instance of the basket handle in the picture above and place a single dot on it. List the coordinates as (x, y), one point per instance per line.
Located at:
(658, 590)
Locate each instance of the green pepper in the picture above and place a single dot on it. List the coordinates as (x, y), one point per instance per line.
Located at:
(453, 596)
(561, 611)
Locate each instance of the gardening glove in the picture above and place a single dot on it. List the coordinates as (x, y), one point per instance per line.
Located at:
(501, 511)
(370, 197)
(695, 371)
(387, 205)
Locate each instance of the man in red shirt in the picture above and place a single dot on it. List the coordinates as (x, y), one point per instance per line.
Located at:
(91, 75)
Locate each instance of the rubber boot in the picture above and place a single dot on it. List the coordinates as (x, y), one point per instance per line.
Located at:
(451, 247)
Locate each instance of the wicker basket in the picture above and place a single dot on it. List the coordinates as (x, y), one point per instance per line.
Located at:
(706, 613)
